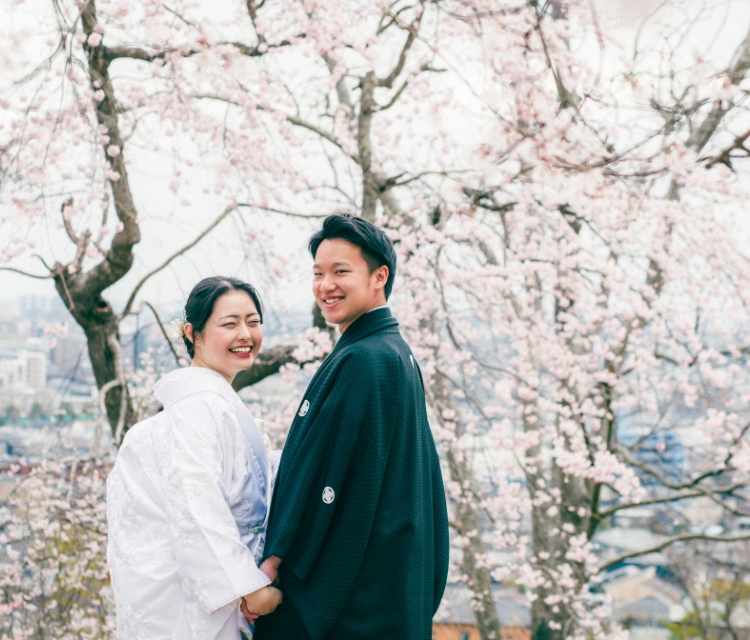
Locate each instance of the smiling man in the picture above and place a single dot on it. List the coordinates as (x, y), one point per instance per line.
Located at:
(358, 530)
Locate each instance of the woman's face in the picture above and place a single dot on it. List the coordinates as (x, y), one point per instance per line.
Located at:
(231, 339)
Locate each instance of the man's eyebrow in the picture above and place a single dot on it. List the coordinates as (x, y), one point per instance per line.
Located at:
(344, 263)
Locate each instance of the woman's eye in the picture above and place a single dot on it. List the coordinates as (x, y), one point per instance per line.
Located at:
(228, 324)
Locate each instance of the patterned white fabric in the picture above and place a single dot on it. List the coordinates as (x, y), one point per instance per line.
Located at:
(187, 504)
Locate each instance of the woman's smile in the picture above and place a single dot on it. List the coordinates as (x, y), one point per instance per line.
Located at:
(242, 352)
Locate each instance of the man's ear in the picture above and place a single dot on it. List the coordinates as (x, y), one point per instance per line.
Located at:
(381, 276)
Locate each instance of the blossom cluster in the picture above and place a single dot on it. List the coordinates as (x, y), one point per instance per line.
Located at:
(55, 582)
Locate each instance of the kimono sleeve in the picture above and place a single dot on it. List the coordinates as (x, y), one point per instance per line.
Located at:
(213, 563)
(343, 455)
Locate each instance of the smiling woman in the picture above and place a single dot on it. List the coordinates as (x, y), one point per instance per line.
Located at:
(187, 500)
(223, 318)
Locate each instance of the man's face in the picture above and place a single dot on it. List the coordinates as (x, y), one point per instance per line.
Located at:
(343, 286)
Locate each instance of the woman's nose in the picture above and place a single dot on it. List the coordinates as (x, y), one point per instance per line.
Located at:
(244, 331)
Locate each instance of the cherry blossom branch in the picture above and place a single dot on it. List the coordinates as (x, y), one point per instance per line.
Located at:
(413, 30)
(136, 53)
(299, 122)
(735, 74)
(725, 157)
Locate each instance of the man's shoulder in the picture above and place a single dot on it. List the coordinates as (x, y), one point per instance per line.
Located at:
(375, 355)
(380, 346)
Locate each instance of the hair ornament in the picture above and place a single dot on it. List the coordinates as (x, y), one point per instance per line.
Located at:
(176, 330)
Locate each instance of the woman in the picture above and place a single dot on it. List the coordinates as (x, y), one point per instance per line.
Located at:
(188, 498)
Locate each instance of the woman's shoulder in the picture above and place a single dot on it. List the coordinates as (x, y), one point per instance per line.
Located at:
(201, 402)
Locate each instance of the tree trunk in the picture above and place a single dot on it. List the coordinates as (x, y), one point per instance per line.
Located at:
(467, 521)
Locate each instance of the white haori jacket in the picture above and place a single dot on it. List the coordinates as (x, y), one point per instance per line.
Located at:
(187, 505)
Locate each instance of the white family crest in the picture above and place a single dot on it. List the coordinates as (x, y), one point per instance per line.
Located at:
(304, 408)
(328, 495)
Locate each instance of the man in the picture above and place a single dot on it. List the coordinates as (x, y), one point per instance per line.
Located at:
(358, 530)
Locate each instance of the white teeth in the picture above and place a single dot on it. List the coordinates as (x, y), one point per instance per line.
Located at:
(242, 350)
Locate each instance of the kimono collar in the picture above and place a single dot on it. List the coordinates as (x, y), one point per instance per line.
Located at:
(368, 323)
(181, 383)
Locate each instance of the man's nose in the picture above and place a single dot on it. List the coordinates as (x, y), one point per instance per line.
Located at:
(327, 284)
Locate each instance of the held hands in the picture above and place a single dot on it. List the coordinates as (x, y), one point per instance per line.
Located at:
(270, 567)
(260, 602)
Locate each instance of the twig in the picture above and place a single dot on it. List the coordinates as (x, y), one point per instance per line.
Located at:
(164, 264)
(178, 359)
(25, 273)
(669, 542)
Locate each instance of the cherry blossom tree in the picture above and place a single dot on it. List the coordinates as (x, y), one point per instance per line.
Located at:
(54, 581)
(565, 194)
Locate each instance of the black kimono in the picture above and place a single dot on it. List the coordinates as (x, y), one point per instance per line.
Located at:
(359, 515)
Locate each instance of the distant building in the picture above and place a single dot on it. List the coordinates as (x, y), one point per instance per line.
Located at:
(24, 370)
(70, 358)
(23, 379)
(455, 619)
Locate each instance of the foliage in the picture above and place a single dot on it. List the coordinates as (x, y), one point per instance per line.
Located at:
(54, 581)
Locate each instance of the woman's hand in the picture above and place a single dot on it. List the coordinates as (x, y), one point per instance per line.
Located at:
(261, 602)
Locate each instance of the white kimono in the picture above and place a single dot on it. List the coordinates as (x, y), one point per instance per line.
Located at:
(187, 504)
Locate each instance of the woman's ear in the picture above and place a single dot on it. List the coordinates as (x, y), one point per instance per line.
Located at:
(188, 329)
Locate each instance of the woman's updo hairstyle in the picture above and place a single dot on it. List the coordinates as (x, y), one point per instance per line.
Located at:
(200, 303)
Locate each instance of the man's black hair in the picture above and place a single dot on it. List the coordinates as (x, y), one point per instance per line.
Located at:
(376, 247)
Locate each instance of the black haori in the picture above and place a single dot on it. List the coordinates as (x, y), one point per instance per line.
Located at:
(359, 515)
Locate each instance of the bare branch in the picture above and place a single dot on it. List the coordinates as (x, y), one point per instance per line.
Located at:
(27, 274)
(267, 363)
(164, 264)
(669, 542)
(602, 515)
(395, 97)
(178, 359)
(68, 227)
(286, 213)
(391, 77)
(83, 244)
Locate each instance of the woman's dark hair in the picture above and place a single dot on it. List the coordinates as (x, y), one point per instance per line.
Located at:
(376, 247)
(200, 302)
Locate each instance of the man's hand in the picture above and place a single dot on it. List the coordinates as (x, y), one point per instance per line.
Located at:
(260, 602)
(270, 567)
